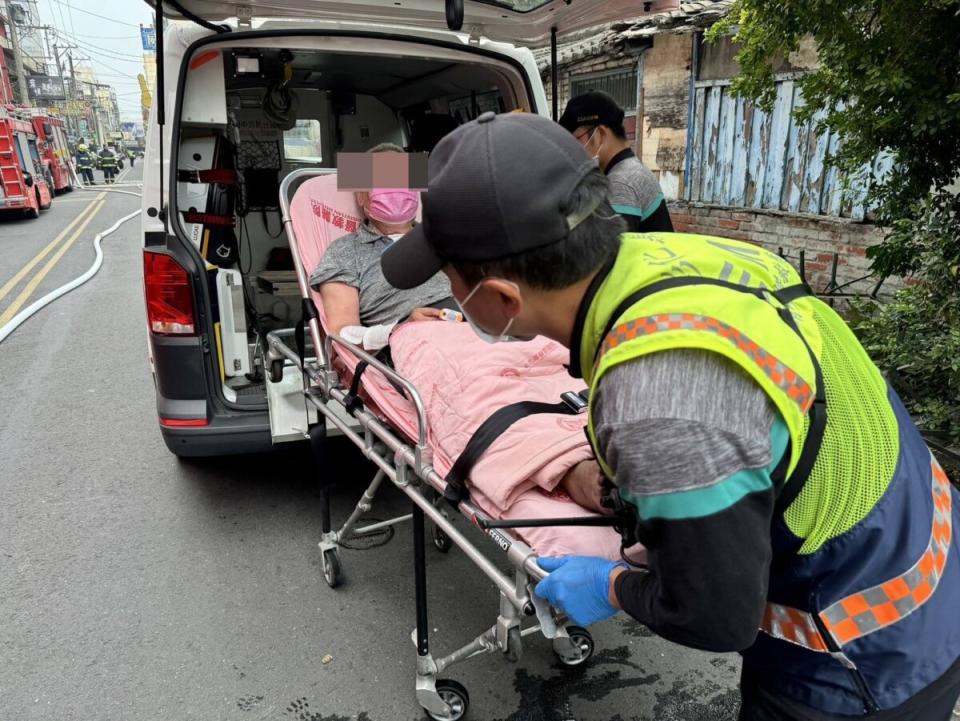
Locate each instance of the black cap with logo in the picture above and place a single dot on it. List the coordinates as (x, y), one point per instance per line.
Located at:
(498, 185)
(592, 108)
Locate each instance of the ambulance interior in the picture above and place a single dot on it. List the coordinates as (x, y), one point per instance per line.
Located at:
(267, 111)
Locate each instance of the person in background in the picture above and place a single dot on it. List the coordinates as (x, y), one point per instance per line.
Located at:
(85, 163)
(596, 121)
(108, 164)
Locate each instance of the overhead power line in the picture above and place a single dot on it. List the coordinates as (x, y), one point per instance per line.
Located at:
(97, 49)
(70, 13)
(87, 12)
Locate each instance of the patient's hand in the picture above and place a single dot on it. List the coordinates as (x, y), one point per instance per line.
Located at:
(424, 314)
(585, 484)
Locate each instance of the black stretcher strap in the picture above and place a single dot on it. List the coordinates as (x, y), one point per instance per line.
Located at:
(308, 313)
(493, 428)
(352, 401)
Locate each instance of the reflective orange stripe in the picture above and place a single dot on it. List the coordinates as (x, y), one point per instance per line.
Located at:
(789, 624)
(864, 612)
(786, 378)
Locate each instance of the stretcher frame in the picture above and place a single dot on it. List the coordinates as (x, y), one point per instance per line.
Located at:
(408, 466)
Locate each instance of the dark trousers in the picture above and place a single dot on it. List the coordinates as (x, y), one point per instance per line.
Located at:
(934, 703)
(87, 175)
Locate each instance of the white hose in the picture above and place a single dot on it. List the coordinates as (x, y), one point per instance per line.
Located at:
(111, 190)
(46, 300)
(80, 185)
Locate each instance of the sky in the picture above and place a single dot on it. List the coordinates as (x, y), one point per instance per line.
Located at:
(107, 32)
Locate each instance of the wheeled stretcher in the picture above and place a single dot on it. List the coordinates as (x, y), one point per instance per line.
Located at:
(340, 376)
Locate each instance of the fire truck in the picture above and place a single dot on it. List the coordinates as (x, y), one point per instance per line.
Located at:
(54, 149)
(23, 187)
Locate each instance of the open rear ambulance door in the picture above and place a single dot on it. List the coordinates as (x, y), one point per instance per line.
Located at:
(522, 22)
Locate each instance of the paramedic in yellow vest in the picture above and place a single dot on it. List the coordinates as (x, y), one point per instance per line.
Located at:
(790, 509)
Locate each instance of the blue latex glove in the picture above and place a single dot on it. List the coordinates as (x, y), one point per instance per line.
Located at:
(579, 586)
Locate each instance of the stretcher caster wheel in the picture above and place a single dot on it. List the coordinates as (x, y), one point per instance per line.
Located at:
(276, 370)
(455, 696)
(331, 567)
(441, 541)
(576, 648)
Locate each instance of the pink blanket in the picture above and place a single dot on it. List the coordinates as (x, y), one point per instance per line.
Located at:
(463, 381)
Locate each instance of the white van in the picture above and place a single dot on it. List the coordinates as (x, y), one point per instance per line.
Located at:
(250, 91)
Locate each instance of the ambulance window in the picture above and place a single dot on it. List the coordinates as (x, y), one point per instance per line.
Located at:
(469, 107)
(303, 142)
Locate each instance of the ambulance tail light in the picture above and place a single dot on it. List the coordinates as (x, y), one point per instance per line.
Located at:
(169, 296)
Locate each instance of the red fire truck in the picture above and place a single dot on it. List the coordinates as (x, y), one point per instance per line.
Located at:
(23, 187)
(54, 149)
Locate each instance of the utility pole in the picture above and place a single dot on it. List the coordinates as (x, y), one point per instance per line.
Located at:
(76, 87)
(63, 89)
(17, 54)
(67, 97)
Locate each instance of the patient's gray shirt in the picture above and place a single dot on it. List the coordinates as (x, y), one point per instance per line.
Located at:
(354, 260)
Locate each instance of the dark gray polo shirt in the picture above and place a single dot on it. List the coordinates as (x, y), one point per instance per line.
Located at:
(354, 259)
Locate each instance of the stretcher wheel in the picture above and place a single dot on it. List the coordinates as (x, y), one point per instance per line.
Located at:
(576, 649)
(455, 696)
(331, 567)
(276, 370)
(441, 541)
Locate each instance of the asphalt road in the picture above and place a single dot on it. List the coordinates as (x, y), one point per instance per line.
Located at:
(134, 586)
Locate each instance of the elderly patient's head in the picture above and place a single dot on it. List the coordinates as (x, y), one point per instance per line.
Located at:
(389, 210)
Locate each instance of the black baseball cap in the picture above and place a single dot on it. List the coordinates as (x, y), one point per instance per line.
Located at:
(592, 108)
(497, 186)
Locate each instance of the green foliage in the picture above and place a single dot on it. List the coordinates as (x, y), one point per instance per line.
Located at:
(888, 80)
(916, 336)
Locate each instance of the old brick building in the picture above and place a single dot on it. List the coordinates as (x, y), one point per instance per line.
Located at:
(726, 167)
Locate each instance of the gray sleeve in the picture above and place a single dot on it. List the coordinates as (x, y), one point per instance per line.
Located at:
(681, 419)
(637, 187)
(338, 264)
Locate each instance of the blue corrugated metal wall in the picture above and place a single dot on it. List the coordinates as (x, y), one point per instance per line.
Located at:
(744, 157)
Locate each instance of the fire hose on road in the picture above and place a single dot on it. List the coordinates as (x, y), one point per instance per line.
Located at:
(53, 295)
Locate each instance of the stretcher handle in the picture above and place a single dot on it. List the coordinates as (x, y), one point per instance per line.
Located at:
(285, 190)
(411, 390)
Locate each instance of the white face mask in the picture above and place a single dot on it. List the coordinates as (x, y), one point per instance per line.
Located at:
(596, 155)
(503, 337)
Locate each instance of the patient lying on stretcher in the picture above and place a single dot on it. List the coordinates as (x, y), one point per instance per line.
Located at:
(562, 479)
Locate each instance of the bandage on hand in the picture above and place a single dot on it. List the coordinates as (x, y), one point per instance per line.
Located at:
(421, 314)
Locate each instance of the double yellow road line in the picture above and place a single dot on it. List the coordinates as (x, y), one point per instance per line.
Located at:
(83, 219)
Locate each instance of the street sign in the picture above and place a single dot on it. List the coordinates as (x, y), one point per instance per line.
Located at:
(148, 38)
(44, 88)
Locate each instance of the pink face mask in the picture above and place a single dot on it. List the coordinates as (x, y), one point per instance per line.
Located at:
(394, 205)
